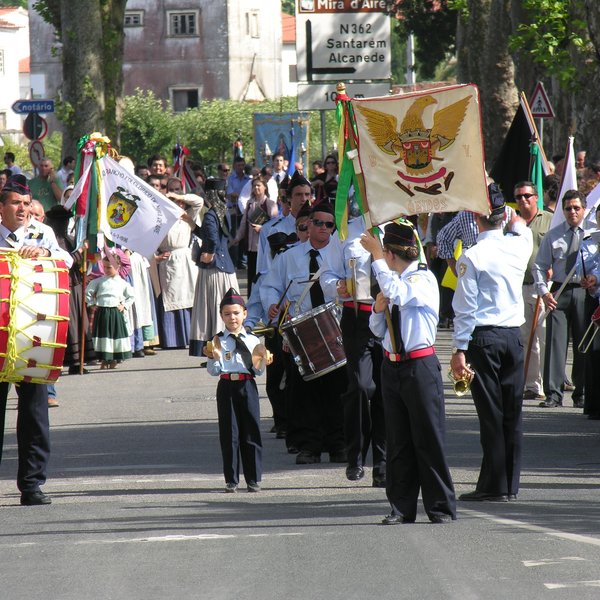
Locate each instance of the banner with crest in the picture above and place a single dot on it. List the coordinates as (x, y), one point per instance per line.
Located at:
(422, 152)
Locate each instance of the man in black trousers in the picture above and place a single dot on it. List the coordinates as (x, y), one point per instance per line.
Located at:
(33, 430)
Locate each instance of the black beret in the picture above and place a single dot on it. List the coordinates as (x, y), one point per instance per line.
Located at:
(232, 297)
(18, 184)
(399, 235)
(215, 184)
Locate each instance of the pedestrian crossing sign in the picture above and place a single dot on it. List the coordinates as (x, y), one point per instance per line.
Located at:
(540, 105)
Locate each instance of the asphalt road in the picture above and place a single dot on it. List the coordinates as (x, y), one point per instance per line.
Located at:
(139, 510)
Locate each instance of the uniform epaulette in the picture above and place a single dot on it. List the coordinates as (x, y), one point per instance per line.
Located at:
(35, 235)
(422, 266)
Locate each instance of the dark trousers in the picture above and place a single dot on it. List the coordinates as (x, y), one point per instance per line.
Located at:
(33, 433)
(238, 410)
(252, 256)
(592, 363)
(568, 316)
(315, 421)
(413, 400)
(496, 356)
(364, 423)
(438, 267)
(275, 372)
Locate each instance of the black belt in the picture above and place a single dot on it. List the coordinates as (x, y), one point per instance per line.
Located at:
(490, 327)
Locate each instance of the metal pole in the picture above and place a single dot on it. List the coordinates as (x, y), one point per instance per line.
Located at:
(323, 135)
(410, 60)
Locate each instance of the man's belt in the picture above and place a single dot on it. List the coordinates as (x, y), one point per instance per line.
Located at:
(410, 355)
(360, 305)
(236, 376)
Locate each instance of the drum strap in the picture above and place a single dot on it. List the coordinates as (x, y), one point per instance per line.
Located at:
(244, 352)
(317, 298)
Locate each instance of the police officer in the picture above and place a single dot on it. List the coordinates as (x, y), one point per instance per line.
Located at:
(411, 380)
(33, 429)
(489, 310)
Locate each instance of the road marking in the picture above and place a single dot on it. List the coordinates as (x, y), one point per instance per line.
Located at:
(550, 561)
(575, 584)
(183, 538)
(571, 537)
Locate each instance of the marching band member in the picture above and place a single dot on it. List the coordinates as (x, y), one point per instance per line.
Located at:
(315, 416)
(33, 428)
(411, 380)
(489, 311)
(347, 274)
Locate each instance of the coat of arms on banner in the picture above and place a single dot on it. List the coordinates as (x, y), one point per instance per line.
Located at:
(120, 208)
(422, 152)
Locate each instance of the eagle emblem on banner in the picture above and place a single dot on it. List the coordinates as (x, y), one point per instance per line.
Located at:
(419, 147)
(120, 208)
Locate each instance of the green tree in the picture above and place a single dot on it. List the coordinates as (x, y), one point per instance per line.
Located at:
(288, 6)
(11, 3)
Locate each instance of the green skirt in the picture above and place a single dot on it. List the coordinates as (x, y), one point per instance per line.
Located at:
(111, 340)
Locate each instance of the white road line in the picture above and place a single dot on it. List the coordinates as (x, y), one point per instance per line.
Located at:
(572, 537)
(575, 584)
(550, 561)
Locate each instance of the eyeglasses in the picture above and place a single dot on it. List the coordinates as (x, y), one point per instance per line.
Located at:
(302, 227)
(163, 187)
(572, 208)
(526, 196)
(330, 162)
(224, 170)
(319, 223)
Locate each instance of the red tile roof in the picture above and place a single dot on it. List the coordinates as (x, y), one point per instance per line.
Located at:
(24, 65)
(288, 29)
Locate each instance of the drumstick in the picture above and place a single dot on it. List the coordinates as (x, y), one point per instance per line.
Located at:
(583, 264)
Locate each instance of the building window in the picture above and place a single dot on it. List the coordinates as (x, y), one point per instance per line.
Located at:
(134, 18)
(182, 23)
(252, 22)
(182, 99)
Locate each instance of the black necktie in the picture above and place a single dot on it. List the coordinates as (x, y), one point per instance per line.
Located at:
(316, 292)
(397, 329)
(244, 352)
(278, 178)
(13, 239)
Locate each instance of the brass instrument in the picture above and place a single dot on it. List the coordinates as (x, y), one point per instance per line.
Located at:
(461, 384)
(590, 333)
(268, 331)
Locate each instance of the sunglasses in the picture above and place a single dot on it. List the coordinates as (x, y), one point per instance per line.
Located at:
(526, 196)
(224, 170)
(302, 228)
(572, 208)
(319, 223)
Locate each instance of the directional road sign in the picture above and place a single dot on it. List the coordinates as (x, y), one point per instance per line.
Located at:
(342, 40)
(322, 95)
(22, 107)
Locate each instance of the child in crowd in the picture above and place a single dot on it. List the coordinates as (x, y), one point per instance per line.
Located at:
(236, 357)
(112, 295)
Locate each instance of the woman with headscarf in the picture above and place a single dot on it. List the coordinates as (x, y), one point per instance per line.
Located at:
(217, 272)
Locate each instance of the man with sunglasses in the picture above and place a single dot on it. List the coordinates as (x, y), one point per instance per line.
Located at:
(558, 254)
(525, 195)
(315, 415)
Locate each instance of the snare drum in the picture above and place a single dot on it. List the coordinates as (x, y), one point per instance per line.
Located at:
(34, 318)
(315, 340)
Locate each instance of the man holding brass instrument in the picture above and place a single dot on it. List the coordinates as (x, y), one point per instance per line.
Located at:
(489, 312)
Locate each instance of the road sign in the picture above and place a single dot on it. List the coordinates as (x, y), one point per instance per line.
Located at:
(22, 107)
(341, 39)
(540, 105)
(35, 127)
(36, 152)
(322, 96)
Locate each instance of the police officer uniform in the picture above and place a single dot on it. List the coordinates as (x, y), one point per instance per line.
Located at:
(489, 310)
(412, 390)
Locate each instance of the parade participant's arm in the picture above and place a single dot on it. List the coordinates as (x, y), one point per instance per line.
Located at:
(273, 286)
(465, 303)
(445, 241)
(333, 279)
(539, 270)
(128, 295)
(377, 322)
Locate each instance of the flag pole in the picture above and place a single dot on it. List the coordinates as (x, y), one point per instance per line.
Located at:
(534, 326)
(83, 310)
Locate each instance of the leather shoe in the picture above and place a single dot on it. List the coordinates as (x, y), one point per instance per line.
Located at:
(578, 403)
(35, 498)
(292, 450)
(354, 473)
(253, 486)
(74, 370)
(281, 434)
(549, 403)
(441, 519)
(396, 520)
(306, 458)
(52, 402)
(231, 488)
(531, 395)
(512, 497)
(379, 481)
(483, 497)
(138, 354)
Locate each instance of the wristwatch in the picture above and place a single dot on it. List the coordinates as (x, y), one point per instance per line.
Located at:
(455, 350)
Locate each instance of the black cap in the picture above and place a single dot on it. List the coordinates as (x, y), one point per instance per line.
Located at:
(399, 235)
(496, 199)
(296, 180)
(215, 184)
(232, 297)
(18, 184)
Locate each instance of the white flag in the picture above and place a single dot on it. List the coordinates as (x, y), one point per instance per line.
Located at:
(569, 182)
(132, 213)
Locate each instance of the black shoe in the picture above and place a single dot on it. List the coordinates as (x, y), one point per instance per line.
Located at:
(531, 395)
(281, 434)
(379, 481)
(35, 498)
(578, 403)
(292, 450)
(483, 497)
(253, 486)
(549, 403)
(338, 457)
(396, 520)
(512, 497)
(306, 458)
(231, 488)
(74, 370)
(139, 354)
(354, 473)
(441, 519)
